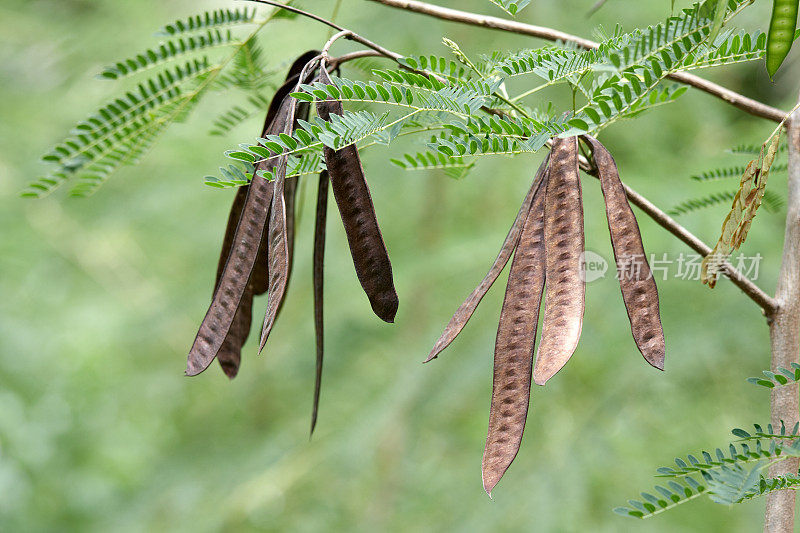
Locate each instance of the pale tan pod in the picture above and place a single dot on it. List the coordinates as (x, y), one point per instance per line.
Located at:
(465, 311)
(636, 281)
(563, 238)
(513, 353)
(278, 242)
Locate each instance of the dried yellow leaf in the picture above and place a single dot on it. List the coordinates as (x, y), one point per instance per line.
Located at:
(743, 210)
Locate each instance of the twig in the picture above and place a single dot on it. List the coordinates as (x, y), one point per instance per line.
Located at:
(454, 15)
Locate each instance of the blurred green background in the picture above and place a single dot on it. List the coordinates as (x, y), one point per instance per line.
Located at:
(100, 300)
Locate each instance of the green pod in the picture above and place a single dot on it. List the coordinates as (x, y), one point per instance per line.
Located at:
(781, 33)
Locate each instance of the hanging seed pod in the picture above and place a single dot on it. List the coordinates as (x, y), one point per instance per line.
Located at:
(318, 275)
(236, 273)
(513, 354)
(278, 240)
(564, 296)
(229, 352)
(636, 281)
(371, 261)
(465, 311)
(229, 355)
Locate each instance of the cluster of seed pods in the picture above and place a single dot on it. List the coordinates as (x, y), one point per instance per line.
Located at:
(257, 249)
(547, 243)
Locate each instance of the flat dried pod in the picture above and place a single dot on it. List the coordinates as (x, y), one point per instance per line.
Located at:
(513, 353)
(563, 231)
(636, 281)
(318, 275)
(373, 268)
(743, 210)
(229, 354)
(465, 311)
(278, 239)
(236, 273)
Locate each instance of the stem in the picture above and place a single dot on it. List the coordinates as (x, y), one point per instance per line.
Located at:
(784, 329)
(454, 15)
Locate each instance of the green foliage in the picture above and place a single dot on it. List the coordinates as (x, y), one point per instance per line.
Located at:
(782, 377)
(512, 7)
(167, 51)
(209, 19)
(230, 118)
(120, 132)
(773, 202)
(724, 477)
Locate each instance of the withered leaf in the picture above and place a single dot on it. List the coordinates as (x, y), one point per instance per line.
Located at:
(743, 210)
(373, 268)
(465, 311)
(636, 281)
(513, 354)
(318, 275)
(563, 230)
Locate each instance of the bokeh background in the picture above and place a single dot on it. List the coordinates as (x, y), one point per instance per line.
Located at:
(100, 299)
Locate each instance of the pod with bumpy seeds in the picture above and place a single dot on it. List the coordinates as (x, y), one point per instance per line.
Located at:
(781, 33)
(229, 353)
(563, 232)
(513, 353)
(318, 275)
(466, 309)
(373, 268)
(636, 281)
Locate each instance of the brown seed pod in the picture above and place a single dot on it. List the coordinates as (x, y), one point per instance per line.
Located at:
(318, 275)
(564, 296)
(278, 240)
(465, 311)
(247, 241)
(371, 261)
(636, 281)
(513, 353)
(229, 354)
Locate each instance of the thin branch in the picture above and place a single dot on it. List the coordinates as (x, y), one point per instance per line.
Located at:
(352, 36)
(454, 15)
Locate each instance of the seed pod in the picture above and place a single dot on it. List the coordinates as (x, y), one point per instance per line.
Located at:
(236, 273)
(371, 261)
(229, 353)
(781, 33)
(513, 353)
(636, 281)
(318, 275)
(465, 311)
(278, 240)
(563, 231)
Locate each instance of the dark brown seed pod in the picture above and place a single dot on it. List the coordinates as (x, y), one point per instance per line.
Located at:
(318, 275)
(278, 239)
(513, 353)
(225, 327)
(564, 296)
(636, 281)
(465, 311)
(373, 268)
(229, 355)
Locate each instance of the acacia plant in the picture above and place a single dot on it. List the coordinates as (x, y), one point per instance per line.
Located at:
(460, 110)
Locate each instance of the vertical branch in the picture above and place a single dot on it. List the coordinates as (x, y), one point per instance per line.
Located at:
(785, 337)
